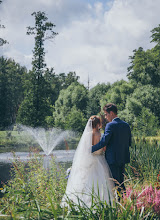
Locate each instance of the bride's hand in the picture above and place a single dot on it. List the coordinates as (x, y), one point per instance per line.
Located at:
(104, 149)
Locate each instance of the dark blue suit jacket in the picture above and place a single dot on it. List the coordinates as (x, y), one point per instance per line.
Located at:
(117, 139)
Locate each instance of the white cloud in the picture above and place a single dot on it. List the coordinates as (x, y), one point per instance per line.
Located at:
(94, 39)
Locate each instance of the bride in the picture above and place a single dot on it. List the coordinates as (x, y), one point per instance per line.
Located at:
(90, 172)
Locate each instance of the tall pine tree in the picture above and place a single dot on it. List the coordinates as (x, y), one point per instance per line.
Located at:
(36, 105)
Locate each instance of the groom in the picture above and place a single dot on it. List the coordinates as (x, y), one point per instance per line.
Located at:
(117, 139)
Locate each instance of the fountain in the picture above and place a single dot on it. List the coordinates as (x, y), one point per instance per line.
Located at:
(47, 139)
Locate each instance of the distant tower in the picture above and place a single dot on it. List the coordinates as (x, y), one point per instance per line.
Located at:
(88, 81)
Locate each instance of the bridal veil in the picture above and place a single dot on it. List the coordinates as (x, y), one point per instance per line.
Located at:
(89, 172)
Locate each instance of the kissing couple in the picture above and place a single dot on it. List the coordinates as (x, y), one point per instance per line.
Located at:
(99, 162)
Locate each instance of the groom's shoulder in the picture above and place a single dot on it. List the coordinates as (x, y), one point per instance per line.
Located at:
(119, 121)
(115, 122)
(125, 123)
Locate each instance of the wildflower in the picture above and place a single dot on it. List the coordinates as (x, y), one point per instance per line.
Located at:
(148, 197)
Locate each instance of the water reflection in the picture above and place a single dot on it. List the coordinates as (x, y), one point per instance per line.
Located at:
(60, 156)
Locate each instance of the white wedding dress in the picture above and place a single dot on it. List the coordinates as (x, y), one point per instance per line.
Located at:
(89, 171)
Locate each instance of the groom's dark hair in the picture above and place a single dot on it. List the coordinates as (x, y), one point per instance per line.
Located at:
(110, 107)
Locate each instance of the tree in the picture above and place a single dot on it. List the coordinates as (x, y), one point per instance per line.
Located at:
(11, 90)
(143, 109)
(76, 95)
(156, 36)
(36, 105)
(145, 124)
(56, 82)
(67, 80)
(145, 65)
(41, 29)
(144, 69)
(148, 96)
(94, 97)
(118, 94)
(51, 85)
(75, 120)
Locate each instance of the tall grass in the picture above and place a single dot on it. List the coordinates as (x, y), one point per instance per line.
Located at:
(36, 193)
(33, 191)
(145, 160)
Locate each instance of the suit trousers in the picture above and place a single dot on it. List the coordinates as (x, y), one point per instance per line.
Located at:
(118, 174)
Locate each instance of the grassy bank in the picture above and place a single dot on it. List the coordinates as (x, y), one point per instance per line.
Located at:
(21, 141)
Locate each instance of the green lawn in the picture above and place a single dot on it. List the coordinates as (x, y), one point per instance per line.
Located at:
(21, 141)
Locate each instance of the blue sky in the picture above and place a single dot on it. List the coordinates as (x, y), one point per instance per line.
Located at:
(95, 37)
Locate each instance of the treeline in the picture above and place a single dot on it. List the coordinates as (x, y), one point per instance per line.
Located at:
(41, 98)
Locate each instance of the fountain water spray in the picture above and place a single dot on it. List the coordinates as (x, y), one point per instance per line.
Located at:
(47, 139)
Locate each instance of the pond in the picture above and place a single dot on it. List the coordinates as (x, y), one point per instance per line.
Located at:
(64, 157)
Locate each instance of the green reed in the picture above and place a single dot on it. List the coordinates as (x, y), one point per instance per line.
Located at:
(145, 162)
(36, 193)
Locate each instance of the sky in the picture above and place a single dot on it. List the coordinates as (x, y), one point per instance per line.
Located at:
(95, 38)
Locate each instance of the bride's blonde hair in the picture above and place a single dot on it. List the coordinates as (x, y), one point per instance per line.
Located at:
(95, 120)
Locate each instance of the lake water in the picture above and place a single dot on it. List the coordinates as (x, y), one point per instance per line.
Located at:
(61, 156)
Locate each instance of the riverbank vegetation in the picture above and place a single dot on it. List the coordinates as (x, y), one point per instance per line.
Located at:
(35, 192)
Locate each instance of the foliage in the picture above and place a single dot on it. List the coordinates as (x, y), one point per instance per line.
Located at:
(75, 120)
(156, 35)
(36, 104)
(55, 83)
(148, 96)
(145, 65)
(94, 97)
(36, 193)
(67, 80)
(145, 124)
(141, 110)
(118, 94)
(41, 30)
(43, 98)
(145, 163)
(75, 95)
(11, 90)
(135, 204)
